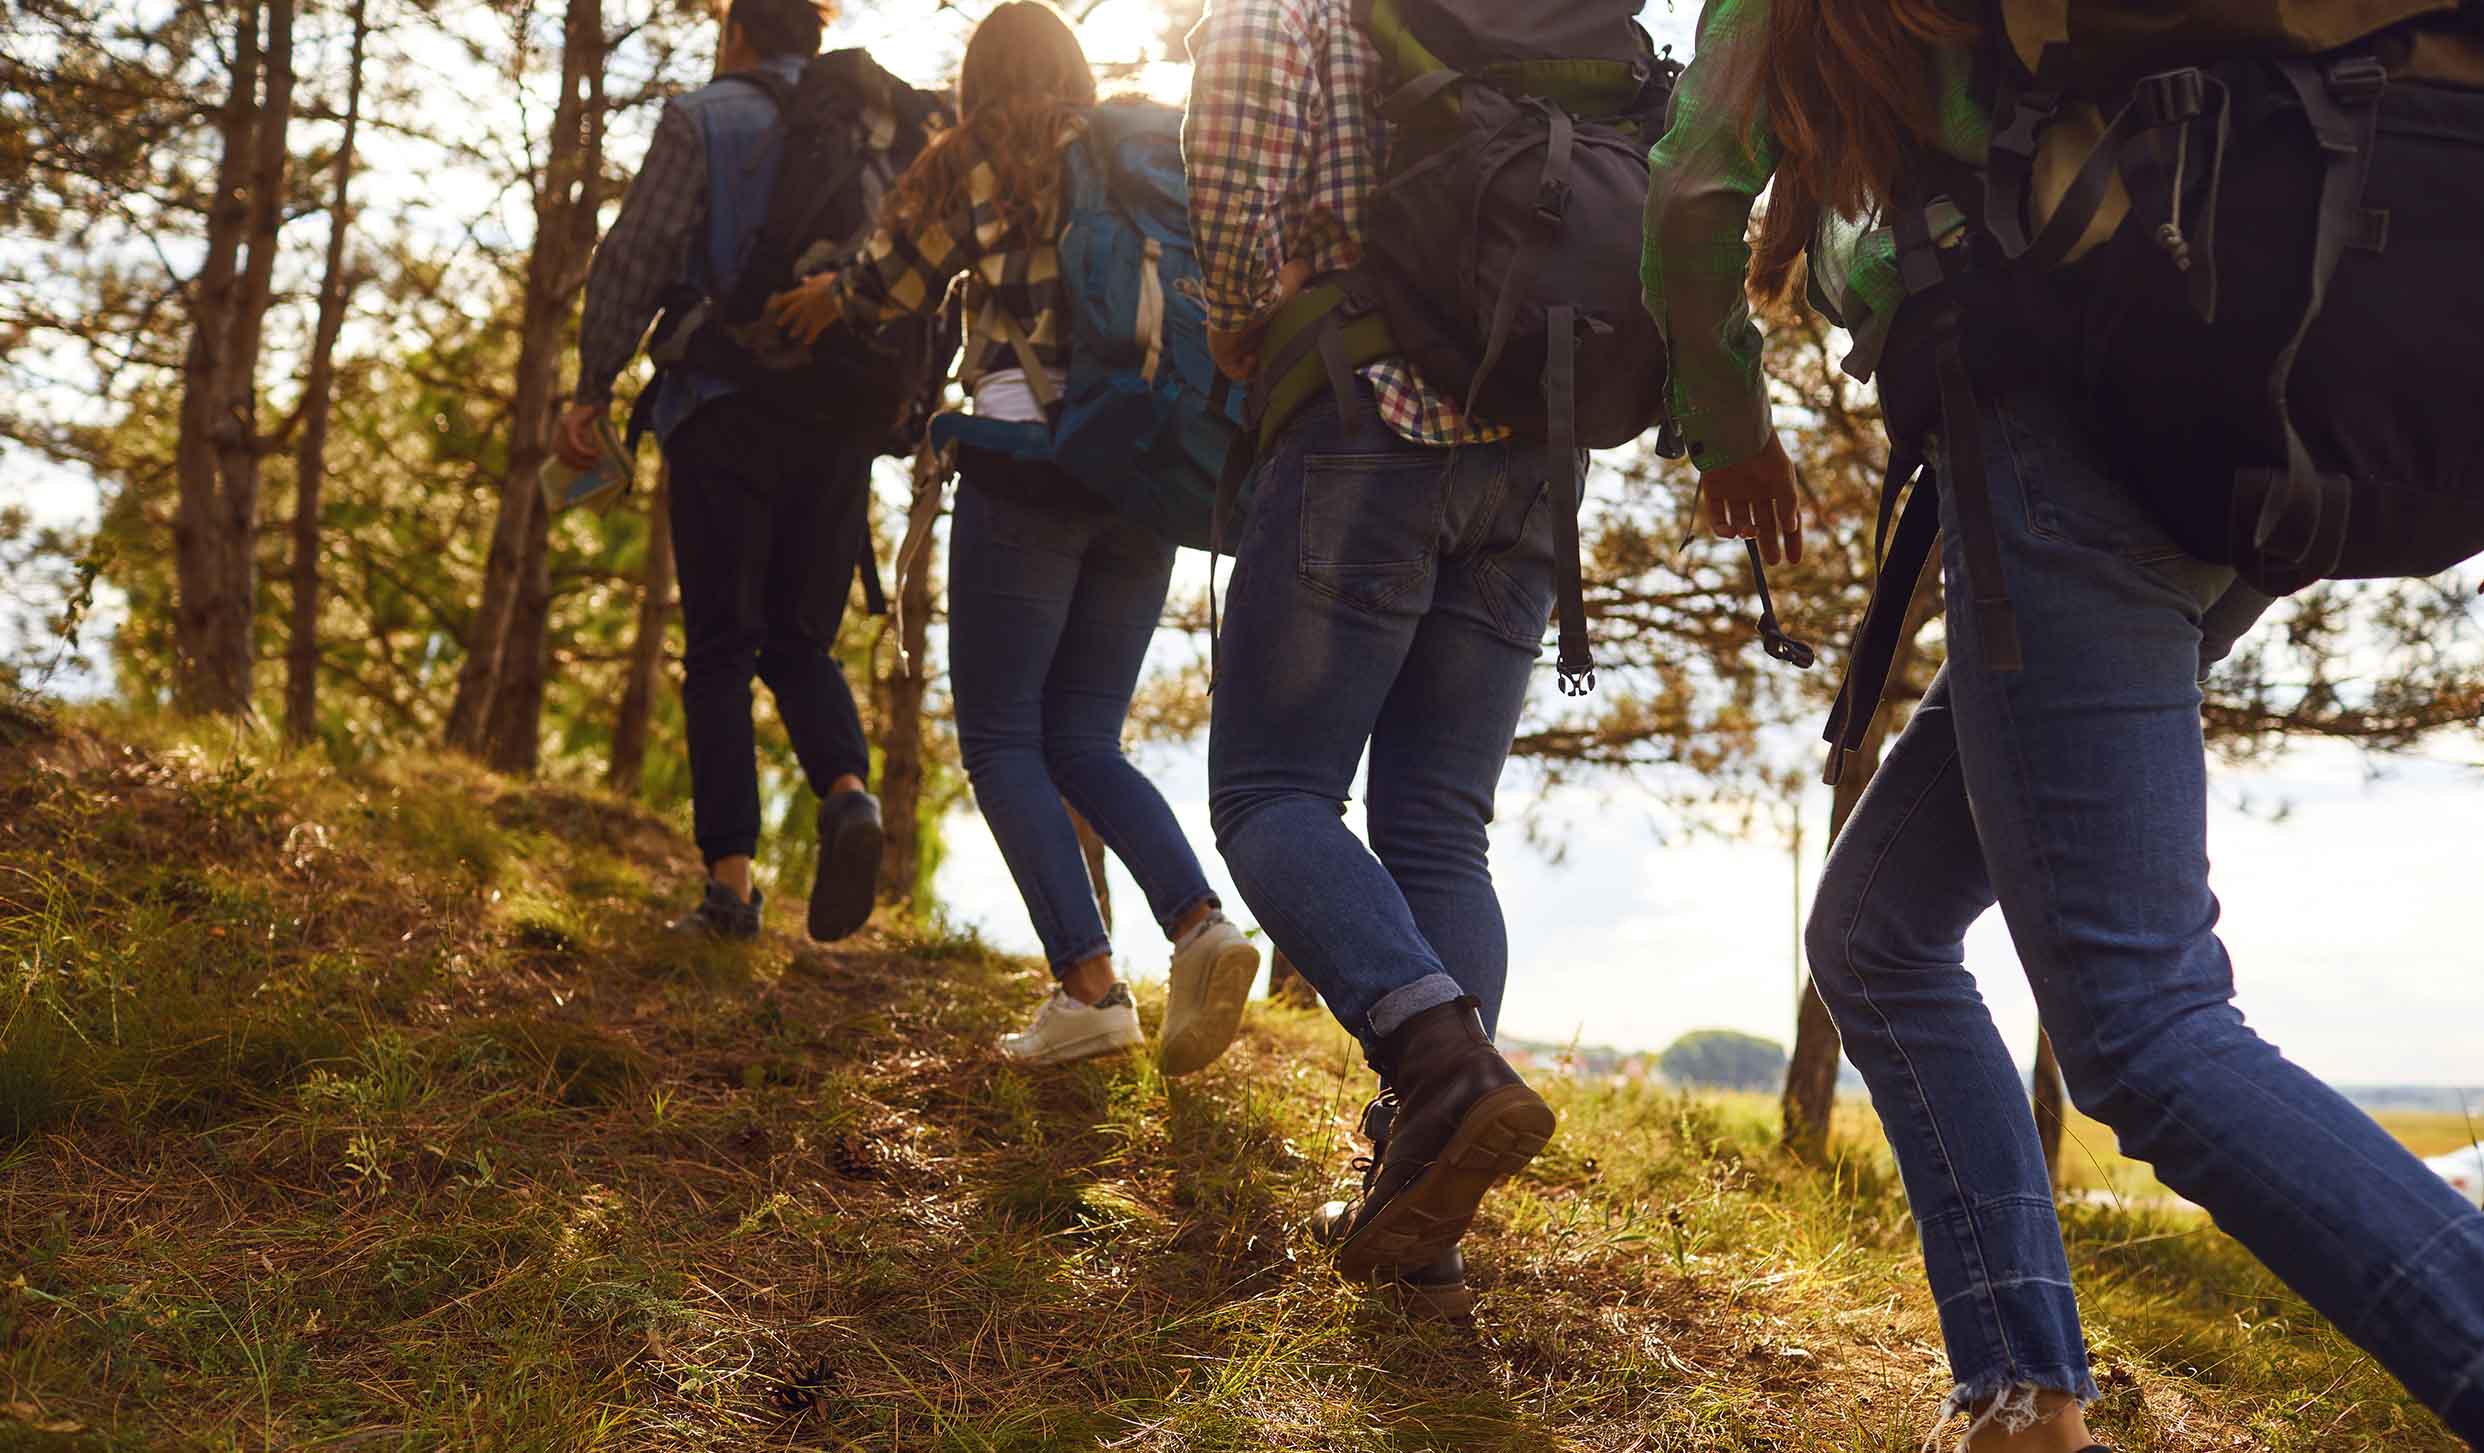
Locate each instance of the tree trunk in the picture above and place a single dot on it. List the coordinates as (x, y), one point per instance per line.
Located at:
(2050, 1099)
(232, 645)
(318, 390)
(901, 694)
(1091, 847)
(632, 727)
(505, 642)
(201, 563)
(1286, 983)
(515, 739)
(1811, 1074)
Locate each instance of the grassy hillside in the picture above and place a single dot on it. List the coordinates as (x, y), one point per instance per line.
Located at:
(368, 1110)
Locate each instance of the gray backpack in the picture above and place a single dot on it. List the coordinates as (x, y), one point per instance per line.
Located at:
(1502, 248)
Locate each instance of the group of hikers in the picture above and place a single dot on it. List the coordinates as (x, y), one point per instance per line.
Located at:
(1369, 301)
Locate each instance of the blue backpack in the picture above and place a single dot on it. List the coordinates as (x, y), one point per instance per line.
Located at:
(1141, 423)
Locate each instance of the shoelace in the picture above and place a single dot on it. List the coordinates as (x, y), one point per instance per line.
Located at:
(1369, 1165)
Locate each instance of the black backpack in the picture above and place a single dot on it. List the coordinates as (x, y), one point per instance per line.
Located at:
(850, 129)
(2272, 345)
(1501, 250)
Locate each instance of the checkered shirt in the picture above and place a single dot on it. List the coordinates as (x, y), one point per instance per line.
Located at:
(1282, 144)
(1011, 257)
(645, 253)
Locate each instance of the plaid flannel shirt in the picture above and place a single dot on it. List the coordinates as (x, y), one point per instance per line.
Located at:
(1282, 144)
(1010, 254)
(1704, 178)
(646, 252)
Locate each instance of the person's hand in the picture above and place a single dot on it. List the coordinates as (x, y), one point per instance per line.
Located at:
(808, 308)
(1237, 353)
(574, 439)
(1755, 499)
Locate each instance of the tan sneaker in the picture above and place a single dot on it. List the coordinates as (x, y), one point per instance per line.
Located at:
(1064, 1029)
(1214, 967)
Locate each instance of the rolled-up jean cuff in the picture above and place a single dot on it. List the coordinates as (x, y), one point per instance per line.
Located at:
(733, 847)
(1092, 948)
(1404, 1003)
(1202, 898)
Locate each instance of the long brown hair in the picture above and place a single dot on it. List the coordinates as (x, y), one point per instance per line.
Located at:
(1024, 77)
(1847, 90)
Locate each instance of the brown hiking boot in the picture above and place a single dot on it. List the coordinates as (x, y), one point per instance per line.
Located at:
(1437, 1291)
(1461, 1122)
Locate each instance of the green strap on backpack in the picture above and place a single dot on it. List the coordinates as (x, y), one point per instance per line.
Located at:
(1421, 95)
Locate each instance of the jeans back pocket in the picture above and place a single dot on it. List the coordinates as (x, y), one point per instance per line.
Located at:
(1371, 525)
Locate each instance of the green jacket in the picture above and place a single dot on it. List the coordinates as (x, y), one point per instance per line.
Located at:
(1705, 177)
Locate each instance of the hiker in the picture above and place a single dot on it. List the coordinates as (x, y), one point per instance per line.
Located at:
(768, 509)
(1399, 559)
(1054, 596)
(2093, 572)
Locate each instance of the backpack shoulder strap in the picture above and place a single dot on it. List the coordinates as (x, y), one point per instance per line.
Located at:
(767, 83)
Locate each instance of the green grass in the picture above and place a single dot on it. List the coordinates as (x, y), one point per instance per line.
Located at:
(412, 1132)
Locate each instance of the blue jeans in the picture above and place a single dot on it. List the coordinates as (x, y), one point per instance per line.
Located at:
(1389, 596)
(1051, 609)
(2075, 792)
(768, 526)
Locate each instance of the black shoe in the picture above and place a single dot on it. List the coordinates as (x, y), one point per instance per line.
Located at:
(722, 916)
(1437, 1291)
(1461, 1122)
(849, 864)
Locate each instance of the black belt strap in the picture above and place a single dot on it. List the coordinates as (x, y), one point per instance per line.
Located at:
(1575, 664)
(1338, 367)
(2289, 530)
(875, 595)
(1962, 441)
(1877, 640)
(1962, 437)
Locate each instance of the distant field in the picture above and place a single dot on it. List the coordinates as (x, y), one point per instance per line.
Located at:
(2091, 1156)
(2091, 1159)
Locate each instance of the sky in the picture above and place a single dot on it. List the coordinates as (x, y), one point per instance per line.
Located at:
(2351, 900)
(2350, 913)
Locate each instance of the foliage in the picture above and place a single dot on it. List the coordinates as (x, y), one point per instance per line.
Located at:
(1723, 1059)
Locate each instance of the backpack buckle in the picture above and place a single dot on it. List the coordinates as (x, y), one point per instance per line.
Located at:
(2024, 131)
(1552, 200)
(2357, 80)
(2171, 97)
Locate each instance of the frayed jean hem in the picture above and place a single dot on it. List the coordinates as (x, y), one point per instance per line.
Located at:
(2007, 1399)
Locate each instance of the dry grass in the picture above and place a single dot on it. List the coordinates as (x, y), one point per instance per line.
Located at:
(366, 1110)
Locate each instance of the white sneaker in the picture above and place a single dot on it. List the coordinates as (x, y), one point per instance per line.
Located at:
(1066, 1030)
(1214, 967)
